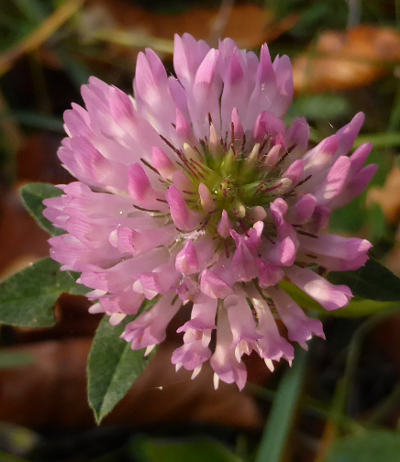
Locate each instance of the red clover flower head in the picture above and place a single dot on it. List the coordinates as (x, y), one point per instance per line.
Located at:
(196, 191)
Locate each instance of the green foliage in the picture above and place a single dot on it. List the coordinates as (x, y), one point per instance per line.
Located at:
(372, 281)
(33, 195)
(355, 215)
(355, 309)
(371, 446)
(350, 218)
(28, 297)
(4, 457)
(377, 222)
(201, 450)
(32, 10)
(324, 106)
(301, 297)
(12, 359)
(112, 368)
(16, 439)
(281, 416)
(32, 119)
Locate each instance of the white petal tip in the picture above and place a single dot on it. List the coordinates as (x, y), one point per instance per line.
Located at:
(238, 354)
(304, 345)
(196, 372)
(149, 349)
(96, 308)
(216, 381)
(178, 367)
(269, 364)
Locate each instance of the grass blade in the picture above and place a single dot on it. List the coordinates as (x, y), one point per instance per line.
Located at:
(281, 416)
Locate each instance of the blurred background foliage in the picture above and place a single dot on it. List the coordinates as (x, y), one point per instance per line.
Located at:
(343, 402)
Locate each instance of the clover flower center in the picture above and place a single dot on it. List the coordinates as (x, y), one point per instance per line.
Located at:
(243, 182)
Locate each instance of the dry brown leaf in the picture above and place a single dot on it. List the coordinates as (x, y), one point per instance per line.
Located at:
(248, 24)
(22, 241)
(388, 196)
(392, 260)
(342, 60)
(37, 160)
(387, 337)
(52, 391)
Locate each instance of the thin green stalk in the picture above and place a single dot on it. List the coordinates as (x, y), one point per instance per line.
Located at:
(355, 349)
(385, 407)
(309, 406)
(280, 420)
(380, 140)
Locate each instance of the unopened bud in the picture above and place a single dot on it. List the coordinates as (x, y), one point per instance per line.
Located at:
(257, 213)
(227, 165)
(253, 156)
(190, 152)
(206, 199)
(273, 156)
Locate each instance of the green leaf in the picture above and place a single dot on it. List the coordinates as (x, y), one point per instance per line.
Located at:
(283, 408)
(350, 218)
(371, 446)
(379, 140)
(377, 222)
(33, 195)
(113, 367)
(363, 307)
(372, 281)
(27, 298)
(201, 450)
(34, 119)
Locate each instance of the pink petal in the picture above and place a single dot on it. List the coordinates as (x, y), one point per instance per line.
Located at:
(203, 315)
(162, 162)
(150, 327)
(224, 226)
(182, 216)
(331, 297)
(272, 346)
(269, 274)
(186, 261)
(300, 327)
(140, 189)
(188, 54)
(206, 199)
(223, 361)
(213, 286)
(267, 124)
(335, 182)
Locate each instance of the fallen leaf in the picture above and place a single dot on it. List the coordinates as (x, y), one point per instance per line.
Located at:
(341, 60)
(22, 241)
(388, 196)
(52, 392)
(248, 24)
(37, 160)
